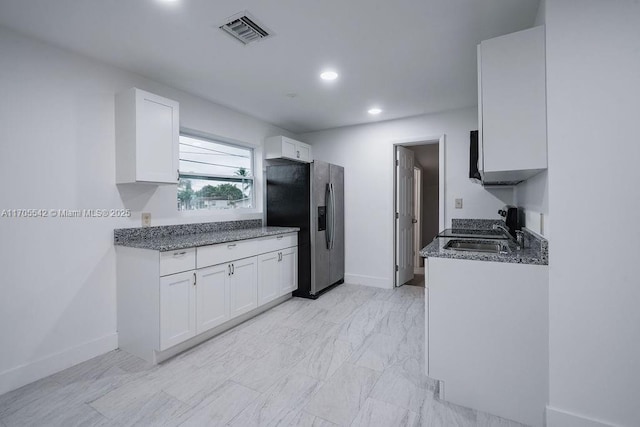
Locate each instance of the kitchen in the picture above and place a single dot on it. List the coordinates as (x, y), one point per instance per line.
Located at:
(58, 107)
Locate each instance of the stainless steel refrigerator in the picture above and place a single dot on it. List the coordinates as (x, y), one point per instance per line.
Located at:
(311, 196)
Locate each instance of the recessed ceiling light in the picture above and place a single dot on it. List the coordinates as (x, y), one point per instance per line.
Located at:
(329, 75)
(374, 111)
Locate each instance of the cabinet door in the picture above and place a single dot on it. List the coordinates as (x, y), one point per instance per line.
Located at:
(243, 286)
(157, 133)
(269, 273)
(177, 308)
(212, 288)
(289, 270)
(303, 152)
(288, 148)
(513, 101)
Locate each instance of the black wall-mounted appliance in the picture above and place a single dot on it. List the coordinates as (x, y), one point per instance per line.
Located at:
(513, 217)
(474, 173)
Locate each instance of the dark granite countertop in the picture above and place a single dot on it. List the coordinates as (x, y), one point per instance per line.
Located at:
(535, 251)
(170, 238)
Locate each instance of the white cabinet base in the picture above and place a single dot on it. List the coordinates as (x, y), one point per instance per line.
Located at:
(177, 308)
(213, 297)
(243, 286)
(166, 304)
(487, 331)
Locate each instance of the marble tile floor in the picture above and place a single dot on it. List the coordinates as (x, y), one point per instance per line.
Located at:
(353, 357)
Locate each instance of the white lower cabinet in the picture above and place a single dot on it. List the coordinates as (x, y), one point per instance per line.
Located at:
(213, 297)
(277, 274)
(268, 271)
(289, 270)
(167, 298)
(177, 308)
(487, 323)
(243, 286)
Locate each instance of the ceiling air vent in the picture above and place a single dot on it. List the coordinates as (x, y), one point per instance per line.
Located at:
(245, 28)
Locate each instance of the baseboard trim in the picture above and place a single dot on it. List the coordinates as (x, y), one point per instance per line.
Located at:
(560, 418)
(376, 282)
(19, 376)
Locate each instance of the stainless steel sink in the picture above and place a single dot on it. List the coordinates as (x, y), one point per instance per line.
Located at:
(489, 246)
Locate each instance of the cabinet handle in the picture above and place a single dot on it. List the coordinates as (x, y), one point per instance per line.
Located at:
(233, 269)
(194, 279)
(279, 237)
(231, 246)
(298, 154)
(177, 174)
(229, 268)
(177, 254)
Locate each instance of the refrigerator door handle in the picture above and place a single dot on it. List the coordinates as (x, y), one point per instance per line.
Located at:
(333, 214)
(327, 202)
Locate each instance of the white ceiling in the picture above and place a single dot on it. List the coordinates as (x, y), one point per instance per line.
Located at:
(409, 57)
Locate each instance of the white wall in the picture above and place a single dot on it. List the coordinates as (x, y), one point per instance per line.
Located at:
(57, 150)
(533, 196)
(366, 152)
(593, 69)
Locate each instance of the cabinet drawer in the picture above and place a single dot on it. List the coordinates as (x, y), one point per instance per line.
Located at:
(176, 261)
(225, 252)
(276, 243)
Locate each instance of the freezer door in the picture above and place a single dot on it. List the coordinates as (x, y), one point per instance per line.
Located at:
(320, 267)
(336, 254)
(288, 198)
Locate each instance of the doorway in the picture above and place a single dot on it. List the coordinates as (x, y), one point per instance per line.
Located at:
(419, 204)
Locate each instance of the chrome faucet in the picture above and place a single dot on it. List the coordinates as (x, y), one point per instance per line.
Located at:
(519, 240)
(503, 228)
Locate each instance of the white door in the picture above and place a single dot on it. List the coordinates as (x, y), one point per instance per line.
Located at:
(268, 277)
(404, 215)
(177, 308)
(417, 215)
(243, 286)
(289, 270)
(212, 297)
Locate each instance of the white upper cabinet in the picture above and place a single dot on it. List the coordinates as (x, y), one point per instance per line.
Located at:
(512, 106)
(281, 147)
(147, 136)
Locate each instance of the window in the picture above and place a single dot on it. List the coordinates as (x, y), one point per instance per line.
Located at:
(214, 174)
